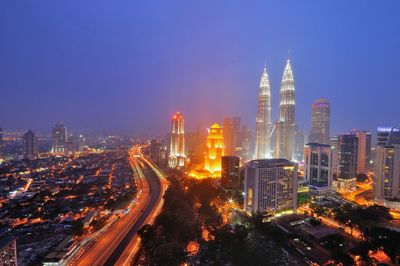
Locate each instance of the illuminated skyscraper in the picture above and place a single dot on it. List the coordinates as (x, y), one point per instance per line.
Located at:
(263, 120)
(177, 156)
(387, 167)
(286, 126)
(364, 151)
(387, 173)
(320, 116)
(59, 138)
(215, 150)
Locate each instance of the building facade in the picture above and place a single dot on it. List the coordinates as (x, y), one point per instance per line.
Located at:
(230, 172)
(270, 186)
(320, 119)
(387, 136)
(285, 128)
(215, 150)
(364, 151)
(318, 167)
(387, 173)
(177, 155)
(347, 161)
(387, 167)
(59, 138)
(263, 120)
(30, 145)
(229, 137)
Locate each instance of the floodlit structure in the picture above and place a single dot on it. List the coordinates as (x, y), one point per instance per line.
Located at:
(286, 126)
(263, 120)
(270, 186)
(215, 150)
(177, 156)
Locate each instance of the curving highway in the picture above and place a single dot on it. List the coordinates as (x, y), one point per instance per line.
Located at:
(119, 244)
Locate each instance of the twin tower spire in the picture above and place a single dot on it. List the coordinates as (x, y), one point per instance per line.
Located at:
(276, 140)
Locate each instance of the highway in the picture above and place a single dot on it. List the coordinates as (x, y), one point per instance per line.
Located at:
(119, 244)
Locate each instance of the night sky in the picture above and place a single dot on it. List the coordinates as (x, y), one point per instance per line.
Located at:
(126, 66)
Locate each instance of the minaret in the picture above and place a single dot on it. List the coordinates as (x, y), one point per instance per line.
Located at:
(263, 121)
(286, 126)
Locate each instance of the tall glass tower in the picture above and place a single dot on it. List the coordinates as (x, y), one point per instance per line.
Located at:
(286, 126)
(263, 121)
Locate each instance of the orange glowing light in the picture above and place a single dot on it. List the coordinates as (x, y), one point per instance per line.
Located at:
(215, 150)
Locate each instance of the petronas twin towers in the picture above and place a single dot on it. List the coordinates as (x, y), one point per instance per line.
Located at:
(276, 140)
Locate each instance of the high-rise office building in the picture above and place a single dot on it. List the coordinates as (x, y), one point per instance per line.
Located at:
(301, 138)
(353, 156)
(177, 155)
(270, 186)
(75, 143)
(387, 167)
(8, 252)
(334, 142)
(364, 151)
(59, 138)
(388, 136)
(196, 146)
(229, 137)
(246, 151)
(347, 160)
(347, 155)
(387, 173)
(320, 117)
(318, 167)
(263, 120)
(230, 176)
(237, 135)
(286, 126)
(155, 151)
(29, 145)
(215, 150)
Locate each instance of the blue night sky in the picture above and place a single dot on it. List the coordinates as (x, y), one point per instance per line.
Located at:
(126, 66)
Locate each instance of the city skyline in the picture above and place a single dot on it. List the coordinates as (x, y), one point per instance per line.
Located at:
(199, 133)
(98, 86)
